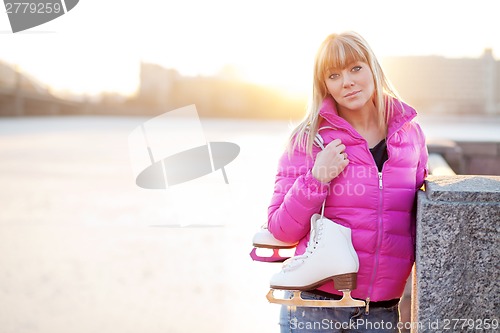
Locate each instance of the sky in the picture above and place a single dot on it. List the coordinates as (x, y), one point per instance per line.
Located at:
(99, 45)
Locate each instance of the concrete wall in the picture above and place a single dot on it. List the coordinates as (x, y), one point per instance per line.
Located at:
(480, 158)
(469, 158)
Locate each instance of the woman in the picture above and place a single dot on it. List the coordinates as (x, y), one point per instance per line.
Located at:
(373, 163)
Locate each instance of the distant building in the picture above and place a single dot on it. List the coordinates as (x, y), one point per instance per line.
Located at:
(441, 85)
(223, 95)
(156, 84)
(21, 94)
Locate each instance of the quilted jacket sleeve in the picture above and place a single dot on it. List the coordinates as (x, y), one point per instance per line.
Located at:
(297, 196)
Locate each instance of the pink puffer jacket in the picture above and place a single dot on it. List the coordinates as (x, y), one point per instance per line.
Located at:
(379, 208)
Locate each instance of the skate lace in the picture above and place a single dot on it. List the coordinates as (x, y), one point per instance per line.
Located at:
(314, 238)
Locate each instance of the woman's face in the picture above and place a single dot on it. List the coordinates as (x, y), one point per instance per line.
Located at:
(352, 87)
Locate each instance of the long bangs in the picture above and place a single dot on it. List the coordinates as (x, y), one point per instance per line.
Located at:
(337, 53)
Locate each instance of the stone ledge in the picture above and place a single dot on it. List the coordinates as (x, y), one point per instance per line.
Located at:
(456, 251)
(463, 188)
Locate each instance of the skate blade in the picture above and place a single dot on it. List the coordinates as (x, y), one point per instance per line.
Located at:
(346, 302)
(276, 257)
(270, 246)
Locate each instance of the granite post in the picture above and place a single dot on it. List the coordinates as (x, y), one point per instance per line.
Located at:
(456, 284)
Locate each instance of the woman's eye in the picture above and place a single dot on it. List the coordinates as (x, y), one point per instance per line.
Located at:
(356, 68)
(333, 76)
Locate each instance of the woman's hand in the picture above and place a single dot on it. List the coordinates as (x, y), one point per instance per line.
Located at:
(330, 162)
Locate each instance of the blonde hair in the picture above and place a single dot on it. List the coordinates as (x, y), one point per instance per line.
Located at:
(337, 51)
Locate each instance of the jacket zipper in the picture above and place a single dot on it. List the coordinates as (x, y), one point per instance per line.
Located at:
(380, 223)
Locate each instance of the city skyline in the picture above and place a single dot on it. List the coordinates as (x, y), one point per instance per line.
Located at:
(432, 84)
(229, 72)
(270, 43)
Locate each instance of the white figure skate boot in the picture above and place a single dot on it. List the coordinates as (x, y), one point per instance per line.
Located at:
(329, 255)
(264, 239)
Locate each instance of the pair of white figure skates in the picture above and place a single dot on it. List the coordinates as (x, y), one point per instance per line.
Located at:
(329, 255)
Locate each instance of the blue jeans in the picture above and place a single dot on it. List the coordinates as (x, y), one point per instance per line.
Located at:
(337, 320)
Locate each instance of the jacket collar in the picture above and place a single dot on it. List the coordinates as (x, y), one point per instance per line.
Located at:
(402, 114)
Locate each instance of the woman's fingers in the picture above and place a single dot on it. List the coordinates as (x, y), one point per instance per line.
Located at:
(336, 146)
(331, 161)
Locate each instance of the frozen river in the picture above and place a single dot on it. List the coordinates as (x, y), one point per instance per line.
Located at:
(83, 249)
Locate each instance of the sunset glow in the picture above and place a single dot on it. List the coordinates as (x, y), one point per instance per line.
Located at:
(99, 45)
